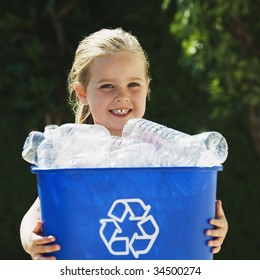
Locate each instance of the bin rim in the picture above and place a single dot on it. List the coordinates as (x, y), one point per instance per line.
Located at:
(37, 170)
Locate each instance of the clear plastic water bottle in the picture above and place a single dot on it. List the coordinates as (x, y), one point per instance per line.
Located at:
(124, 152)
(73, 146)
(177, 148)
(82, 145)
(30, 146)
(46, 153)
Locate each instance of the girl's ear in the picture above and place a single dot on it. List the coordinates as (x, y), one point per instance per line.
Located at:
(81, 93)
(148, 89)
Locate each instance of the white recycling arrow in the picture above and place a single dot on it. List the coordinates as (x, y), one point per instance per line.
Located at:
(111, 232)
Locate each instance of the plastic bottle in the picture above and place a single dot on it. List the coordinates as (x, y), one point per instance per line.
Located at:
(46, 153)
(82, 145)
(124, 152)
(30, 146)
(178, 148)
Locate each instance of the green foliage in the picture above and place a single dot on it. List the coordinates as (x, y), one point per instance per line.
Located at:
(220, 42)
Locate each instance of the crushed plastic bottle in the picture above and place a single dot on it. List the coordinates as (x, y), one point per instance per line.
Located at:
(46, 154)
(82, 145)
(132, 153)
(73, 145)
(30, 146)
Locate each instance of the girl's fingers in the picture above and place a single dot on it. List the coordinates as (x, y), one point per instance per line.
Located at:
(219, 209)
(44, 240)
(219, 232)
(48, 249)
(215, 242)
(221, 223)
(216, 250)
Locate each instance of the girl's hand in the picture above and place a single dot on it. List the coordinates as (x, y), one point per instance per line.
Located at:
(220, 230)
(40, 244)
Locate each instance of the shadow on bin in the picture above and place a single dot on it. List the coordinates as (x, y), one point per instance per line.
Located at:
(129, 213)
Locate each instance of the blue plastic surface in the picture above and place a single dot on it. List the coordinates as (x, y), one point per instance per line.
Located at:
(129, 213)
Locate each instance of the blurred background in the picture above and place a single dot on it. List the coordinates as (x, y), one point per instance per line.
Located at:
(205, 68)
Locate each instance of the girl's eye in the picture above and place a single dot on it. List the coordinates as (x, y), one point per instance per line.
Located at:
(107, 86)
(133, 85)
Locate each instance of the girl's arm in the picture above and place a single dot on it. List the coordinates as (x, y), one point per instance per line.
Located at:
(30, 233)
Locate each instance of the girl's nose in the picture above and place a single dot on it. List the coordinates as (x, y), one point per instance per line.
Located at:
(122, 96)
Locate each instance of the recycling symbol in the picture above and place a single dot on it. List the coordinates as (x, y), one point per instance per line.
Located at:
(129, 228)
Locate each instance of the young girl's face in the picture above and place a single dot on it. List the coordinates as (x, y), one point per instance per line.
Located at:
(117, 90)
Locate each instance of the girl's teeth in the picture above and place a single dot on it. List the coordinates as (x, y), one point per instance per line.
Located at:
(120, 111)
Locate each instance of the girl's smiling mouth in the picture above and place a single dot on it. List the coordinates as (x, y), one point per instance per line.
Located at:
(120, 111)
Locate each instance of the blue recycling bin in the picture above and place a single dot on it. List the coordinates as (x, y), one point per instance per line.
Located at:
(128, 213)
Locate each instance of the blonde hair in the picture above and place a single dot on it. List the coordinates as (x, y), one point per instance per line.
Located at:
(98, 44)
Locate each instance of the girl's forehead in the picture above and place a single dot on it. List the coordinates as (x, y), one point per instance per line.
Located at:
(118, 56)
(118, 61)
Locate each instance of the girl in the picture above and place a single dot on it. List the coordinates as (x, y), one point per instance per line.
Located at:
(108, 85)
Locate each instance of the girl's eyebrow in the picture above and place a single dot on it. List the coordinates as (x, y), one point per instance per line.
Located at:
(136, 79)
(102, 81)
(113, 80)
